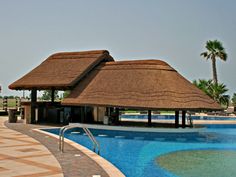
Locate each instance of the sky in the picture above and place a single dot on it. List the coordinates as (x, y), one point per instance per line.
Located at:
(171, 30)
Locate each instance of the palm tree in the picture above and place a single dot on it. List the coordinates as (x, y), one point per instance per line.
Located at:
(234, 99)
(215, 50)
(203, 85)
(216, 91)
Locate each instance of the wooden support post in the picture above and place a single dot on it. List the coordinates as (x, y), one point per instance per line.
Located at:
(117, 116)
(33, 105)
(52, 95)
(183, 119)
(149, 118)
(85, 117)
(176, 119)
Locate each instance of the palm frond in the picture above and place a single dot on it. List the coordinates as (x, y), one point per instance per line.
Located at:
(204, 54)
(223, 56)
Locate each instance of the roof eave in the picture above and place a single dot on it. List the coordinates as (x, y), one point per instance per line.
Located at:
(145, 108)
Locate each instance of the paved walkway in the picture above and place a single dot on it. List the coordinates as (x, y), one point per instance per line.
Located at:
(73, 162)
(23, 156)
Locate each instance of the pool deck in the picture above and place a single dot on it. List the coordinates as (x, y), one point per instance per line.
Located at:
(72, 163)
(22, 155)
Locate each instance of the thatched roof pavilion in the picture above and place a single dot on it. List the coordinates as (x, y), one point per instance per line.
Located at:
(95, 79)
(61, 71)
(141, 84)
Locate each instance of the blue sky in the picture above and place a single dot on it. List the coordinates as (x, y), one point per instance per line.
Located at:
(172, 30)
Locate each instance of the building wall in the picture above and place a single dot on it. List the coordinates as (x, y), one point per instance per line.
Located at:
(99, 113)
(27, 113)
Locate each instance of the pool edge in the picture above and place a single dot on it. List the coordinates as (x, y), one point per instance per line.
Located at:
(107, 166)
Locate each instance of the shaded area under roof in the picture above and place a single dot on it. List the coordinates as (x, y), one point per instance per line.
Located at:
(61, 70)
(145, 84)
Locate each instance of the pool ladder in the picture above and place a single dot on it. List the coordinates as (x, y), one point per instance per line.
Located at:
(190, 120)
(86, 130)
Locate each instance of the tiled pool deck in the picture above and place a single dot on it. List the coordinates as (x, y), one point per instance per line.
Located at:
(25, 152)
(22, 155)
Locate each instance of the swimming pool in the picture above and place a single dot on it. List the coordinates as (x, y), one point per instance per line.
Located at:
(148, 154)
(172, 117)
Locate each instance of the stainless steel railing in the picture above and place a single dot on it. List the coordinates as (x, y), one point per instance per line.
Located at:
(62, 131)
(189, 119)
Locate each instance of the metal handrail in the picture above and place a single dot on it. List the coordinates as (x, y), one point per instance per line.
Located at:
(61, 133)
(94, 141)
(190, 120)
(86, 130)
(60, 136)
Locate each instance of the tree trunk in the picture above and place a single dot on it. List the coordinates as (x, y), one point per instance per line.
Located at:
(214, 70)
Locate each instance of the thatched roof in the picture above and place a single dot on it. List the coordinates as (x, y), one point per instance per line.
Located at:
(61, 70)
(147, 84)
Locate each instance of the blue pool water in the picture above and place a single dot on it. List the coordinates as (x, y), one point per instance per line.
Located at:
(172, 117)
(135, 153)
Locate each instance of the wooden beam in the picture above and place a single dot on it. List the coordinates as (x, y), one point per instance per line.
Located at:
(176, 119)
(183, 119)
(33, 105)
(149, 118)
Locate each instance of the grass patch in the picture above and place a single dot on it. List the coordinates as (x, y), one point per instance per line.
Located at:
(10, 103)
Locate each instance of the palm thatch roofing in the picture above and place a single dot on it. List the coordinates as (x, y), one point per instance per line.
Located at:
(61, 70)
(142, 84)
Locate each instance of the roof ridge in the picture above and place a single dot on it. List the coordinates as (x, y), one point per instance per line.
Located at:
(139, 62)
(58, 55)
